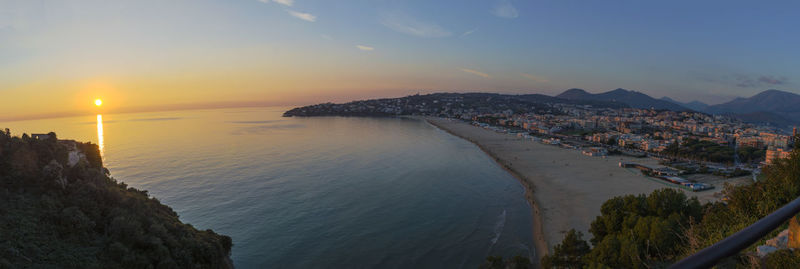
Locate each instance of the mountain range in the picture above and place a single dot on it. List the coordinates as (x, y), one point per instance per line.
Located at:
(632, 98)
(778, 108)
(693, 105)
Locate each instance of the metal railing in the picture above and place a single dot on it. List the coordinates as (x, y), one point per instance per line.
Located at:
(735, 243)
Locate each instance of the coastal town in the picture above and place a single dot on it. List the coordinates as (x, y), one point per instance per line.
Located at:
(685, 142)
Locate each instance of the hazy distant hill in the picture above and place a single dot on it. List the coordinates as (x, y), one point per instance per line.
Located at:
(697, 105)
(780, 102)
(631, 98)
(435, 103)
(777, 107)
(693, 105)
(766, 117)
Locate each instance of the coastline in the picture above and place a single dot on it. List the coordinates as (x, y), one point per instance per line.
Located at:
(564, 188)
(540, 244)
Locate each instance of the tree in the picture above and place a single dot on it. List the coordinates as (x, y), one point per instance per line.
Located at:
(497, 262)
(89, 220)
(633, 231)
(655, 230)
(750, 154)
(612, 141)
(568, 254)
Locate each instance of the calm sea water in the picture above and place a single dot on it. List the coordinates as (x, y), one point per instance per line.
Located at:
(315, 192)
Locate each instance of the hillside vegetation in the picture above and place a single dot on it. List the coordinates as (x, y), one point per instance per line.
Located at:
(60, 209)
(655, 230)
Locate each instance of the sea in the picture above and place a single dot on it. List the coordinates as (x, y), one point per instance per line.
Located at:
(318, 192)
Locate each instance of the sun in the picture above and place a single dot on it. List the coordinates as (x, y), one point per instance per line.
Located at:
(98, 102)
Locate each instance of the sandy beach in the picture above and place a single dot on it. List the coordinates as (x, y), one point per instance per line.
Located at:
(565, 187)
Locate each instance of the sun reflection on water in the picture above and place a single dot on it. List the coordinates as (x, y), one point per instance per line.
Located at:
(100, 135)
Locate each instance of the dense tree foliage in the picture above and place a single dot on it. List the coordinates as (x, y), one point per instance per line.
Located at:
(701, 150)
(632, 232)
(746, 204)
(57, 215)
(568, 254)
(497, 262)
(751, 154)
(659, 229)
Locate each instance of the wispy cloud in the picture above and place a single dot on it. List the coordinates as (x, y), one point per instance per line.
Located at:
(741, 80)
(535, 78)
(413, 26)
(303, 16)
(366, 48)
(772, 80)
(504, 9)
(746, 81)
(468, 32)
(287, 3)
(475, 72)
(284, 2)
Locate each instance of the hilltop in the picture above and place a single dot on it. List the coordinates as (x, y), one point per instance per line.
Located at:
(772, 106)
(776, 108)
(61, 209)
(631, 98)
(693, 105)
(435, 103)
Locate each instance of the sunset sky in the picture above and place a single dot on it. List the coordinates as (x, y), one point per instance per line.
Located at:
(56, 57)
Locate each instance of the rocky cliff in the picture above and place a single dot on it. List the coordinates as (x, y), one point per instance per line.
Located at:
(59, 208)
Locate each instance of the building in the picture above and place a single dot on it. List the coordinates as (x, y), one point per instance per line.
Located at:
(774, 154)
(775, 140)
(595, 151)
(40, 136)
(750, 141)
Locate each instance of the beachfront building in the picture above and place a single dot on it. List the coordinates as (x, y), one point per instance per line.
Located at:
(775, 140)
(774, 154)
(750, 141)
(595, 152)
(551, 141)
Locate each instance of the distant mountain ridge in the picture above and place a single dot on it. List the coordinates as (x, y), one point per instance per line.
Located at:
(778, 108)
(779, 102)
(773, 106)
(632, 98)
(693, 105)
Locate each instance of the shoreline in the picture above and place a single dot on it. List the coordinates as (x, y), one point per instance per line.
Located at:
(565, 188)
(540, 244)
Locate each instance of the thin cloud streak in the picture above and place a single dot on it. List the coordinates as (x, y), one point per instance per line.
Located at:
(475, 72)
(365, 48)
(303, 16)
(468, 32)
(287, 3)
(504, 9)
(413, 26)
(771, 80)
(745, 81)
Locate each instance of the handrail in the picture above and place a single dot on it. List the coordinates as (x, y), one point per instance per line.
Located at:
(733, 244)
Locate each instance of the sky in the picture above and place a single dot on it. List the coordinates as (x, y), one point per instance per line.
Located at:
(56, 57)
